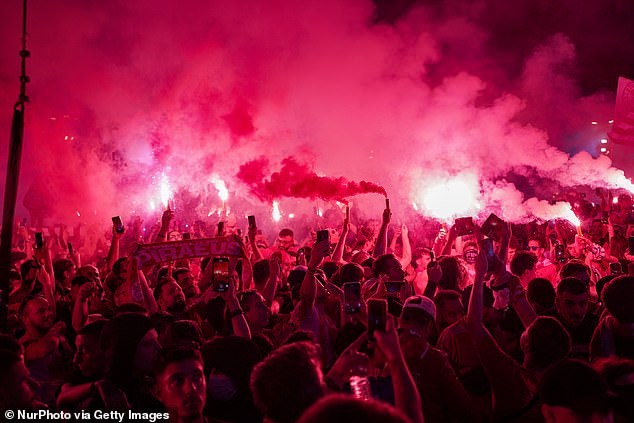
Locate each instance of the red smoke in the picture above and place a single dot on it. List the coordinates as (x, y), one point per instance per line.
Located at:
(298, 180)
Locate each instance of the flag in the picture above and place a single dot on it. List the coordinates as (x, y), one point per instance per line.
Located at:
(623, 129)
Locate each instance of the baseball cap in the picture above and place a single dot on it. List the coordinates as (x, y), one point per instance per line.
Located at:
(420, 302)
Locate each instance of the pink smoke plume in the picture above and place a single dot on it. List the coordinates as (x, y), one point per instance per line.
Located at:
(298, 180)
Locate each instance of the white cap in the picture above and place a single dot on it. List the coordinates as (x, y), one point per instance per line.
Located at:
(421, 302)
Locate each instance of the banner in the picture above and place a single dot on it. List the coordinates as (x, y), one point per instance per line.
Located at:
(623, 129)
(151, 254)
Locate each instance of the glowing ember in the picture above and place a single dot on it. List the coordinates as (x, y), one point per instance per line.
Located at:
(223, 192)
(448, 199)
(165, 190)
(276, 214)
(569, 215)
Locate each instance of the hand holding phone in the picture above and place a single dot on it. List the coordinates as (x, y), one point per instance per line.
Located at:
(118, 225)
(487, 246)
(220, 274)
(39, 240)
(323, 236)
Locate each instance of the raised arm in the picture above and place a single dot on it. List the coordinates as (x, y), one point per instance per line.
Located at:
(308, 290)
(381, 241)
(406, 258)
(238, 321)
(166, 220)
(406, 395)
(337, 255)
(113, 252)
(451, 238)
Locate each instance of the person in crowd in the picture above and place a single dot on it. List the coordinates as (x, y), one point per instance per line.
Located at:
(614, 335)
(251, 355)
(17, 387)
(90, 365)
(449, 308)
(344, 409)
(129, 343)
(287, 382)
(47, 353)
(541, 294)
(572, 391)
(179, 384)
(443, 397)
(523, 266)
(572, 312)
(544, 268)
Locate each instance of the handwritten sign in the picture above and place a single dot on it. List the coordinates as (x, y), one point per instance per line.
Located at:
(151, 254)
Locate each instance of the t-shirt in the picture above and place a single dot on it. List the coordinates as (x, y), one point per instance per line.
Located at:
(443, 397)
(581, 335)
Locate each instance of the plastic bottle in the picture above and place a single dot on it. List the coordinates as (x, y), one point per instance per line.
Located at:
(360, 384)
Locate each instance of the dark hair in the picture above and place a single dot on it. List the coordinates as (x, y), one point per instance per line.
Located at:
(418, 253)
(445, 295)
(116, 267)
(381, 264)
(522, 261)
(540, 291)
(93, 328)
(572, 268)
(26, 266)
(602, 282)
(233, 356)
(296, 276)
(286, 232)
(329, 268)
(614, 369)
(575, 385)
(287, 382)
(80, 280)
(618, 297)
(548, 342)
(453, 272)
(350, 272)
(339, 408)
(60, 266)
(159, 287)
(572, 286)
(174, 354)
(119, 340)
(260, 272)
(183, 333)
(244, 298)
(540, 240)
(27, 300)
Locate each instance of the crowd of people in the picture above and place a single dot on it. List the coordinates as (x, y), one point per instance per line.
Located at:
(368, 321)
